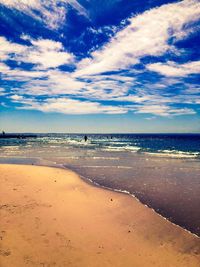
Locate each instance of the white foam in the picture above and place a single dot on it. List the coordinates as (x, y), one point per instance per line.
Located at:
(124, 148)
(174, 154)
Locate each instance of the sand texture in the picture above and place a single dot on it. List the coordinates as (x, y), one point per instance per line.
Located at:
(50, 217)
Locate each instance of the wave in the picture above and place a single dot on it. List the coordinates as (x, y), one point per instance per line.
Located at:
(160, 147)
(122, 148)
(174, 154)
(106, 166)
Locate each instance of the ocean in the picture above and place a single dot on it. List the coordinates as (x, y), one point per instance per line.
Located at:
(160, 170)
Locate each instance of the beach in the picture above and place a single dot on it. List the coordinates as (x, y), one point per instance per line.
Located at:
(162, 171)
(51, 217)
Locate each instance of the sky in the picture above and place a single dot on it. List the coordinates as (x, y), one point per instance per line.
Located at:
(99, 66)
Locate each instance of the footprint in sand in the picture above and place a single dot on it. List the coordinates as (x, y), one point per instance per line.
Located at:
(65, 241)
(2, 234)
(5, 253)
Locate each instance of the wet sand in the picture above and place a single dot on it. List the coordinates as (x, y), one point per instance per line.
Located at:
(50, 217)
(169, 185)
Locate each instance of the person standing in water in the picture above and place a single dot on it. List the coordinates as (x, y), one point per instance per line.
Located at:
(85, 138)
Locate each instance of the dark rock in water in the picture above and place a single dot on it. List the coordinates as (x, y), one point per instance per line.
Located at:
(19, 136)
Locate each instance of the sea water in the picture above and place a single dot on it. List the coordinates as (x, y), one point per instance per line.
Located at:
(161, 170)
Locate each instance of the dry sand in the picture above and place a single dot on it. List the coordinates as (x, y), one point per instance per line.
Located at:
(50, 217)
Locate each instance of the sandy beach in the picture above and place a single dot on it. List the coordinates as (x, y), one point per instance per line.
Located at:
(50, 217)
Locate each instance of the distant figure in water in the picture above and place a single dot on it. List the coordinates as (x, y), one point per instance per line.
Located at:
(3, 133)
(85, 138)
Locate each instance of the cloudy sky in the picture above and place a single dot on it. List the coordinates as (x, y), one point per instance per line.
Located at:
(100, 65)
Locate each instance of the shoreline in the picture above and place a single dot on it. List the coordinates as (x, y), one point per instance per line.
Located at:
(95, 184)
(133, 196)
(114, 228)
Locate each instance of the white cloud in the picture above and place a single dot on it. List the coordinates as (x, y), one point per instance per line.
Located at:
(163, 110)
(2, 92)
(3, 68)
(51, 12)
(20, 4)
(44, 53)
(56, 83)
(138, 98)
(173, 69)
(112, 88)
(19, 74)
(16, 97)
(147, 34)
(68, 106)
(8, 49)
(77, 6)
(192, 89)
(46, 44)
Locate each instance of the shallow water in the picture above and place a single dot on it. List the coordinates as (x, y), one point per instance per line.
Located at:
(162, 171)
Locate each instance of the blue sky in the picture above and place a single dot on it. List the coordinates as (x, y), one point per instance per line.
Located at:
(99, 66)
